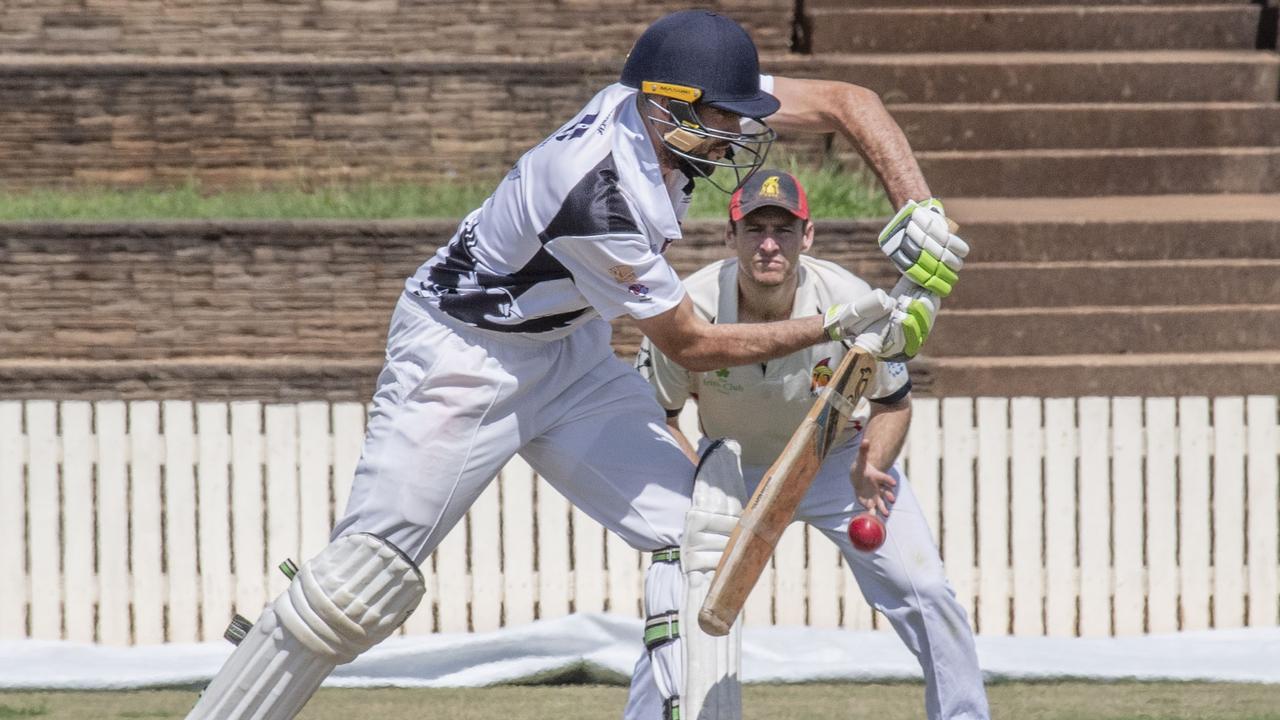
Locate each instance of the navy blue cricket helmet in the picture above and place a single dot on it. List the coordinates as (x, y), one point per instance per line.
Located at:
(694, 59)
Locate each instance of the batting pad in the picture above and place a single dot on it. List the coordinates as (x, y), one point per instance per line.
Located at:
(713, 689)
(341, 602)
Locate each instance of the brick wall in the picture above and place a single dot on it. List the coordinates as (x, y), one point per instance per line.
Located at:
(242, 308)
(143, 121)
(358, 28)
(279, 120)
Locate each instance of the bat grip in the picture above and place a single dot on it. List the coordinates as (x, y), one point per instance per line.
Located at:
(873, 339)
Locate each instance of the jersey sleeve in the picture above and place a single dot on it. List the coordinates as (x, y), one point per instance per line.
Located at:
(892, 383)
(619, 274)
(670, 382)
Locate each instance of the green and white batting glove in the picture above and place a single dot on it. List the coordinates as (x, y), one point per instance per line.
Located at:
(907, 327)
(848, 320)
(922, 247)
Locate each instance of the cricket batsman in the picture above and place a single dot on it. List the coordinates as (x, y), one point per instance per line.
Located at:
(500, 344)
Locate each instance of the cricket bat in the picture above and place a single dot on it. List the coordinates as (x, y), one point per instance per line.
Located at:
(774, 503)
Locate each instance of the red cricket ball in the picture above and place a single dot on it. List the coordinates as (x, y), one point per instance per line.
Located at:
(866, 532)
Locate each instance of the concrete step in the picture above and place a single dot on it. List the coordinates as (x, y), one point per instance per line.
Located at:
(1042, 229)
(1101, 241)
(1105, 330)
(1160, 374)
(1051, 77)
(1084, 173)
(981, 29)
(1089, 125)
(1125, 228)
(1151, 282)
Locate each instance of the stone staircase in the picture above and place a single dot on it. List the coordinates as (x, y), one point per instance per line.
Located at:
(1117, 167)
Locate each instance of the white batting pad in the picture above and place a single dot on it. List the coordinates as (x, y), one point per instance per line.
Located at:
(342, 602)
(713, 689)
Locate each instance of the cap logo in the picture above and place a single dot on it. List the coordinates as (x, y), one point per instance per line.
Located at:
(671, 90)
(769, 188)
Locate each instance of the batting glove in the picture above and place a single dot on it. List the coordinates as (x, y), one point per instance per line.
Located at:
(907, 327)
(922, 247)
(848, 320)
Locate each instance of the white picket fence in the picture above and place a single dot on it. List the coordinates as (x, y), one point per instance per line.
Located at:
(146, 522)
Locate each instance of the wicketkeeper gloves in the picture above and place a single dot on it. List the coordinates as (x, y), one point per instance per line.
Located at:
(922, 247)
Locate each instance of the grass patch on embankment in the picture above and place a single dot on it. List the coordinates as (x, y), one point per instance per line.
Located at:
(833, 193)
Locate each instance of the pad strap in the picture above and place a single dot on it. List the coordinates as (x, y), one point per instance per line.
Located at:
(661, 629)
(667, 555)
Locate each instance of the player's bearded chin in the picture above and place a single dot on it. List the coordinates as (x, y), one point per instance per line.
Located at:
(700, 151)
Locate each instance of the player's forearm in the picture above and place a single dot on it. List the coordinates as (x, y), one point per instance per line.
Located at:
(866, 123)
(734, 344)
(858, 114)
(886, 432)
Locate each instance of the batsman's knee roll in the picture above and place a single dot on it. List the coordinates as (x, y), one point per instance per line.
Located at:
(345, 600)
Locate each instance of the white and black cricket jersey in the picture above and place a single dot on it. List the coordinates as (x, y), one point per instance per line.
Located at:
(575, 231)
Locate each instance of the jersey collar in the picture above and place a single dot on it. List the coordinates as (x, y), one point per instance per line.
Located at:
(639, 168)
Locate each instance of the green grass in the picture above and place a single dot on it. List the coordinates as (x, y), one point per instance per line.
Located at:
(22, 711)
(832, 194)
(345, 202)
(818, 701)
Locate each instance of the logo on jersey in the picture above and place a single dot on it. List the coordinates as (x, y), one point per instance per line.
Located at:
(640, 291)
(578, 129)
(821, 376)
(623, 273)
(720, 382)
(769, 188)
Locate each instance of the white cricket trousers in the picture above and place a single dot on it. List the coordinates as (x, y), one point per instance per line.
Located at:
(453, 405)
(904, 580)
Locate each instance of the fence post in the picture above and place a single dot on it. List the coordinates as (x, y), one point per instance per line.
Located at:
(1060, 509)
(13, 526)
(1095, 516)
(147, 547)
(1262, 511)
(993, 516)
(113, 526)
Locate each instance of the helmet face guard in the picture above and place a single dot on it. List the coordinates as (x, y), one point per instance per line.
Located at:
(686, 137)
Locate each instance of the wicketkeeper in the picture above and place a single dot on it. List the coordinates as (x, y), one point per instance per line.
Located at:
(769, 278)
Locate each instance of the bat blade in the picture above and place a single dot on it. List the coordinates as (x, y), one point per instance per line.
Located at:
(774, 503)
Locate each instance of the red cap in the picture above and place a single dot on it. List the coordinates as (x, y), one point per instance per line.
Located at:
(769, 187)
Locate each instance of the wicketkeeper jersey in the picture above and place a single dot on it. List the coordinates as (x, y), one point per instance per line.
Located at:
(575, 231)
(760, 405)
